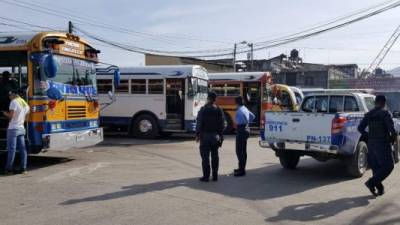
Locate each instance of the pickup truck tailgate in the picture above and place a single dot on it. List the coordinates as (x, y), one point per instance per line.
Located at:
(298, 127)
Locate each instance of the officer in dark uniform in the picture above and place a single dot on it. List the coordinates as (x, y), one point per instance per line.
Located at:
(381, 134)
(209, 130)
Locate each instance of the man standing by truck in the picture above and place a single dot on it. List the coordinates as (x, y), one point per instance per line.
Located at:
(381, 134)
(243, 118)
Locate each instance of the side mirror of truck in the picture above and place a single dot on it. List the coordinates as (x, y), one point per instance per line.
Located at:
(396, 114)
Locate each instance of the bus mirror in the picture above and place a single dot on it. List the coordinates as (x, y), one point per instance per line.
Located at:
(50, 66)
(54, 94)
(117, 78)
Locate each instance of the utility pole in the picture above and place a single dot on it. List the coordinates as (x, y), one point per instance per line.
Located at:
(234, 58)
(70, 27)
(251, 55)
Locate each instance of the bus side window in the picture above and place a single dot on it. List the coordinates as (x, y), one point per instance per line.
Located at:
(155, 86)
(123, 87)
(232, 89)
(104, 86)
(138, 86)
(219, 89)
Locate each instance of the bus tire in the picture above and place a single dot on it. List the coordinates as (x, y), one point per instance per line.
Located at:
(145, 126)
(289, 160)
(357, 164)
(229, 124)
(396, 150)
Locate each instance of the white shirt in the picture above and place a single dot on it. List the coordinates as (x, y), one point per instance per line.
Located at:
(20, 110)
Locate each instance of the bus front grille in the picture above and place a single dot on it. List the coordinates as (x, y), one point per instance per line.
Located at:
(76, 112)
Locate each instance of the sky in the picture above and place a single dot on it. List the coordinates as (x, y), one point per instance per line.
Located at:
(184, 25)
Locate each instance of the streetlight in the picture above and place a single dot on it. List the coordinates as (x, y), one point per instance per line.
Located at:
(251, 53)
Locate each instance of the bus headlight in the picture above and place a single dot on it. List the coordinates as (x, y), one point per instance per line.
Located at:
(93, 123)
(56, 126)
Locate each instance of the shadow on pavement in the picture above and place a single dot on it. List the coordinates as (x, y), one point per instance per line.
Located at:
(259, 184)
(386, 214)
(320, 210)
(35, 161)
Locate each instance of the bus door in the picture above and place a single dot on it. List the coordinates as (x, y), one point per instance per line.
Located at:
(175, 104)
(252, 100)
(17, 80)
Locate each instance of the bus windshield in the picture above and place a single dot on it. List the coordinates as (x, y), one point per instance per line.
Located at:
(70, 71)
(198, 88)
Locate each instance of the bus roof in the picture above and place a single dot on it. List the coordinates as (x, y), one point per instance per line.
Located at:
(25, 41)
(166, 71)
(238, 76)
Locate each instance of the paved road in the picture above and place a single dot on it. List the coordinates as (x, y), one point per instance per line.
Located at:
(125, 181)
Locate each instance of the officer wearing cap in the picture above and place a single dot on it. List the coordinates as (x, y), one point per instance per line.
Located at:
(209, 130)
(381, 134)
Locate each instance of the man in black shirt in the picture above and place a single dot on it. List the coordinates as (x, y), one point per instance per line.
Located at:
(381, 134)
(209, 130)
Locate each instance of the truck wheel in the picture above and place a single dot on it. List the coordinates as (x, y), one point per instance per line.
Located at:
(396, 150)
(289, 160)
(357, 164)
(145, 126)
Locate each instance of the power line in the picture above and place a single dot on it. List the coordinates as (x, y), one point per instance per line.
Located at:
(67, 14)
(227, 51)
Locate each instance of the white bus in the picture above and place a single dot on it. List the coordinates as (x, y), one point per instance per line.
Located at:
(153, 100)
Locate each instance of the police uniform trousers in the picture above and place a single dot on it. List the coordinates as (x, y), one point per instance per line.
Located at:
(209, 144)
(380, 160)
(242, 134)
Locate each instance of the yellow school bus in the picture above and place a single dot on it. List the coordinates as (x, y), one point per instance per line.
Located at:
(55, 72)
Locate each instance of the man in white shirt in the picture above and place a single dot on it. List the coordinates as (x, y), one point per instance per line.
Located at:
(17, 114)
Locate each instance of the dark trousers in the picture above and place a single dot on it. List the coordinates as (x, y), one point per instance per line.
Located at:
(242, 134)
(209, 145)
(380, 160)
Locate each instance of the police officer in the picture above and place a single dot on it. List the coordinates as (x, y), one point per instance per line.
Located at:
(243, 118)
(381, 134)
(209, 130)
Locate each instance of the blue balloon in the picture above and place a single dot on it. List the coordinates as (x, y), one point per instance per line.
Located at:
(54, 93)
(50, 66)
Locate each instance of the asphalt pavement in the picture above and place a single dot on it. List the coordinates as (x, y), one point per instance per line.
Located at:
(129, 181)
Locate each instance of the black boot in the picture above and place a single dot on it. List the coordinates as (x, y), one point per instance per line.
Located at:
(380, 188)
(239, 173)
(371, 188)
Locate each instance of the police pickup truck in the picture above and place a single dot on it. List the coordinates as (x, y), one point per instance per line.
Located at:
(324, 128)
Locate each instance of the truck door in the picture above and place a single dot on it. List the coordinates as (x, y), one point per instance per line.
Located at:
(175, 104)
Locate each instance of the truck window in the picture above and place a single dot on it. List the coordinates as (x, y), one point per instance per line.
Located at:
(350, 104)
(321, 103)
(308, 105)
(370, 102)
(336, 104)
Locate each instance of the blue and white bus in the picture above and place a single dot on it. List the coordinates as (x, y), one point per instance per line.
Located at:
(153, 100)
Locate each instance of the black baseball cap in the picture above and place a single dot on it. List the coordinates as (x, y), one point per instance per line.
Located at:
(380, 99)
(212, 96)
